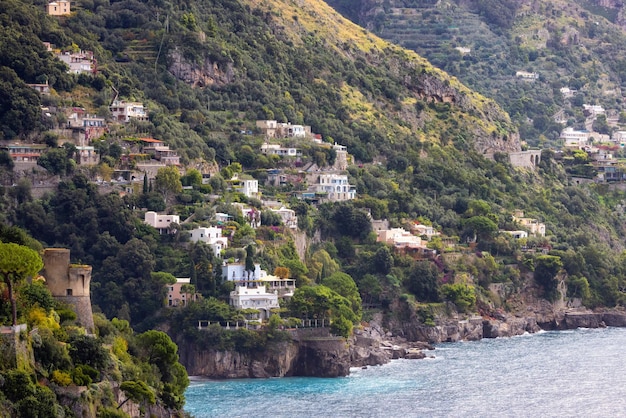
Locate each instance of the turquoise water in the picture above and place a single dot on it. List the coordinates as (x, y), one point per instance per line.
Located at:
(578, 373)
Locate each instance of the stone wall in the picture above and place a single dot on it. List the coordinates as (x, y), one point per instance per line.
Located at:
(15, 350)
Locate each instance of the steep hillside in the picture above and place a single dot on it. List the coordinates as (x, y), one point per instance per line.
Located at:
(269, 60)
(207, 71)
(575, 44)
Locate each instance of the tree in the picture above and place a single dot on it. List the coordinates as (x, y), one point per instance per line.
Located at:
(193, 177)
(250, 267)
(157, 348)
(167, 182)
(383, 260)
(461, 294)
(321, 302)
(137, 391)
(343, 284)
(282, 272)
(422, 281)
(17, 263)
(546, 269)
(480, 226)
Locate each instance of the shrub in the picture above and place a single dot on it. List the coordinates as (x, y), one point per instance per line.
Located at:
(61, 378)
(461, 294)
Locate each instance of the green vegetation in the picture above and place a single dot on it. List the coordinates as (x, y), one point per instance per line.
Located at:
(145, 366)
(484, 43)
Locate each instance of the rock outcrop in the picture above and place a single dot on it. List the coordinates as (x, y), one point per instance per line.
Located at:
(310, 353)
(315, 352)
(277, 360)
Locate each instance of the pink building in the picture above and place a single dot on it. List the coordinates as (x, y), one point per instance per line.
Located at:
(178, 296)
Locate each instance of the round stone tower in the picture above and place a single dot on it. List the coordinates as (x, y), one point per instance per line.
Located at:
(69, 283)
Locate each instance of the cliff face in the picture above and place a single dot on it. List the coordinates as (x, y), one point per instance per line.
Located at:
(276, 361)
(309, 353)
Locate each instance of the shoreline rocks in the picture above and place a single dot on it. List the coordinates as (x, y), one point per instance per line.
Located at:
(316, 353)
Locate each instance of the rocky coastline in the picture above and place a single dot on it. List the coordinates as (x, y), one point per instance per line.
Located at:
(316, 353)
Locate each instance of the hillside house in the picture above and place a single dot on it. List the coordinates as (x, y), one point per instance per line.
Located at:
(593, 111)
(341, 161)
(268, 127)
(161, 222)
(399, 238)
(162, 153)
(567, 92)
(276, 149)
(424, 230)
(619, 137)
(525, 75)
(81, 62)
(250, 214)
(516, 234)
(288, 216)
(254, 296)
(43, 89)
(24, 152)
(247, 185)
(574, 139)
(176, 294)
(85, 127)
(59, 8)
(335, 187)
(609, 168)
(236, 272)
(287, 130)
(283, 287)
(87, 155)
(211, 236)
(533, 225)
(123, 111)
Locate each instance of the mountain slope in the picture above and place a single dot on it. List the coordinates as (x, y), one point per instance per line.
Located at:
(575, 44)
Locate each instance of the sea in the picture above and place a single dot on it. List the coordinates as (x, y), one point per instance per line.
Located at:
(577, 373)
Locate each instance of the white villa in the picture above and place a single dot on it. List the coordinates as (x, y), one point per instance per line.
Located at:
(399, 238)
(288, 217)
(252, 296)
(533, 225)
(283, 287)
(517, 234)
(593, 110)
(573, 138)
(276, 149)
(123, 111)
(526, 75)
(236, 272)
(424, 230)
(336, 187)
(161, 222)
(212, 236)
(246, 185)
(78, 62)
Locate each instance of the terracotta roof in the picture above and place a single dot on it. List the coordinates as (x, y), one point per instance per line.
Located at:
(152, 140)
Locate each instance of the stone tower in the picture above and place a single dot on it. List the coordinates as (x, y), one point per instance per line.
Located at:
(69, 283)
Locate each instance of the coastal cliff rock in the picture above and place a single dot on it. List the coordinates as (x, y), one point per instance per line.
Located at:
(311, 352)
(509, 327)
(276, 361)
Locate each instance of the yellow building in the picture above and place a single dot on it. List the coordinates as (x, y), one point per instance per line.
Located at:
(59, 8)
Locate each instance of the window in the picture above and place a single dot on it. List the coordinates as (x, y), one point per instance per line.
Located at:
(68, 292)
